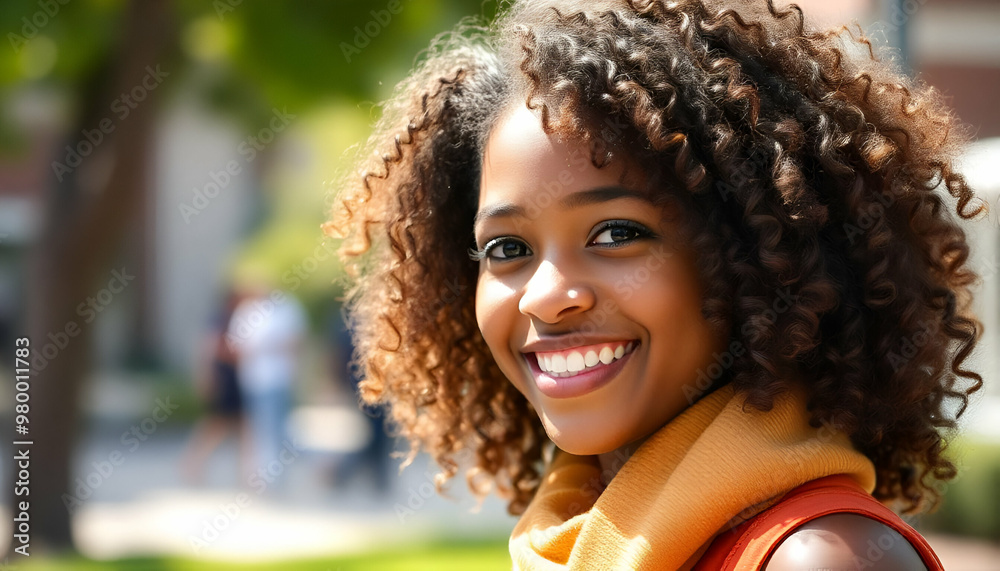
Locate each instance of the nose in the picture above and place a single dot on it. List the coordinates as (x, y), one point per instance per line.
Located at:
(553, 294)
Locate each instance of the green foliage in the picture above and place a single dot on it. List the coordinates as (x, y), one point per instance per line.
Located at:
(971, 502)
(302, 54)
(316, 59)
(65, 47)
(258, 54)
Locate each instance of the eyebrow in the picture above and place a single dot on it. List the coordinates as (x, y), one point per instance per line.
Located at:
(575, 200)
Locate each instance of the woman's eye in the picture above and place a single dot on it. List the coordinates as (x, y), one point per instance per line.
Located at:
(620, 232)
(505, 249)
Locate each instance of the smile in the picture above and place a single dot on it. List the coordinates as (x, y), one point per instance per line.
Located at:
(578, 371)
(578, 359)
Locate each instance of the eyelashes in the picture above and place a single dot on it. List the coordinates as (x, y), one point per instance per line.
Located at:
(620, 233)
(608, 234)
(509, 246)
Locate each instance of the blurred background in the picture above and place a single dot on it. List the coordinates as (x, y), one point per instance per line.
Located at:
(164, 170)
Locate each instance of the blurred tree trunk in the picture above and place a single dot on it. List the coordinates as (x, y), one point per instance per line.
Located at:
(86, 219)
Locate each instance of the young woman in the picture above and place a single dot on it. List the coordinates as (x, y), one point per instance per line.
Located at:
(713, 262)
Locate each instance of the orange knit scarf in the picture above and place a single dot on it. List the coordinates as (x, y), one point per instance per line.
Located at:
(712, 467)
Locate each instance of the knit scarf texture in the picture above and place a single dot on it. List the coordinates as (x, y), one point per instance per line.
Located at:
(712, 467)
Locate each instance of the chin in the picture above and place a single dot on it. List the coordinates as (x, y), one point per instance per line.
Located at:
(584, 442)
(580, 448)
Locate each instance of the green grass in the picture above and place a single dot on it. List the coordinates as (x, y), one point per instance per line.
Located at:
(464, 556)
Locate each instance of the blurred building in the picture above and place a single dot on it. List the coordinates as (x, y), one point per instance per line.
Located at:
(180, 260)
(201, 215)
(954, 45)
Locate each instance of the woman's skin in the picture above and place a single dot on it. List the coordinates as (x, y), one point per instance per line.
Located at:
(577, 258)
(846, 542)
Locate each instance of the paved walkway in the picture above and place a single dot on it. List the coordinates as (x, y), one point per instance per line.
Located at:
(166, 522)
(962, 554)
(143, 508)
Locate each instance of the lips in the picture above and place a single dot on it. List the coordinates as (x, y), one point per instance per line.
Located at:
(570, 362)
(565, 373)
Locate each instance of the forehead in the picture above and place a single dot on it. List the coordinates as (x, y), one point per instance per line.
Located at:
(522, 160)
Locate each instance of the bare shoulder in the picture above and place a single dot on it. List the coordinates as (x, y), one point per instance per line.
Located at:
(845, 542)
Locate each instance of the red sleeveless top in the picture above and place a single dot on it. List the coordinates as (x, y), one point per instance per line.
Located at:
(749, 545)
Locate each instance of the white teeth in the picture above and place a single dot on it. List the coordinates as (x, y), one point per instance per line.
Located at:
(574, 363)
(568, 365)
(558, 364)
(607, 355)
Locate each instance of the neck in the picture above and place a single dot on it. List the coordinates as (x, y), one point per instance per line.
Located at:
(612, 462)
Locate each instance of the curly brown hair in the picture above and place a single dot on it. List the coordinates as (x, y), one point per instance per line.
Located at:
(807, 164)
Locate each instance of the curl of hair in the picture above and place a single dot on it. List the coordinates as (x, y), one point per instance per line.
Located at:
(814, 176)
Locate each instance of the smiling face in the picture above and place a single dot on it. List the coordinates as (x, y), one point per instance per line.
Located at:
(586, 296)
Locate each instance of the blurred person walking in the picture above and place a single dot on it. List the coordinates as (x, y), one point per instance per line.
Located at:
(217, 384)
(266, 333)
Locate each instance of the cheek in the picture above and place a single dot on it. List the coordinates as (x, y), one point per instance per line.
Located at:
(492, 299)
(664, 291)
(670, 306)
(499, 322)
(677, 327)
